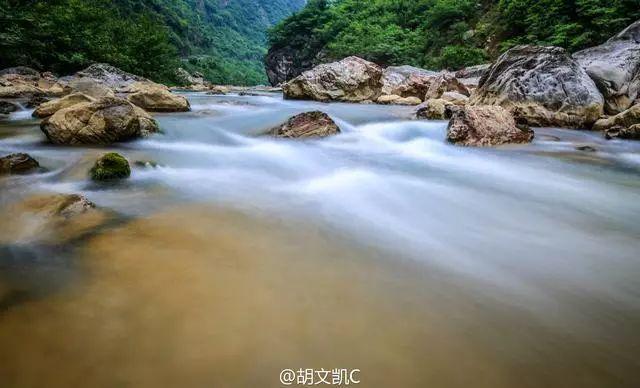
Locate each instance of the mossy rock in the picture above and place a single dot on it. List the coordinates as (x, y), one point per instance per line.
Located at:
(110, 167)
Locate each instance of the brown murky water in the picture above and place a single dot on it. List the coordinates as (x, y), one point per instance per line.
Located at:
(383, 249)
(199, 297)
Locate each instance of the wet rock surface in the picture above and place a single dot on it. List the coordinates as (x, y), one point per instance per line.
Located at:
(307, 125)
(485, 126)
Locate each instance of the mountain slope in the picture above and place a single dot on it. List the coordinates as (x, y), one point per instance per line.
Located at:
(437, 33)
(225, 39)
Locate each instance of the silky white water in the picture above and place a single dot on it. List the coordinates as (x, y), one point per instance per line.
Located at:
(528, 255)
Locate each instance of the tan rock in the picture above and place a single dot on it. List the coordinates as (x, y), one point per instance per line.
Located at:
(49, 108)
(351, 80)
(485, 126)
(625, 119)
(433, 109)
(157, 98)
(90, 87)
(307, 125)
(104, 121)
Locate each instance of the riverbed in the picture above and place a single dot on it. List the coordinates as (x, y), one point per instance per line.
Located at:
(229, 256)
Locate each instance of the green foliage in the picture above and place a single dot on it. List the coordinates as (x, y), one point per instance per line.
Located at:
(446, 33)
(146, 37)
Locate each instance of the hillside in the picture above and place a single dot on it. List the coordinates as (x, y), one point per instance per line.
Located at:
(437, 33)
(224, 39)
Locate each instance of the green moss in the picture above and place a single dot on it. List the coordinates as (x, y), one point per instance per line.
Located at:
(110, 166)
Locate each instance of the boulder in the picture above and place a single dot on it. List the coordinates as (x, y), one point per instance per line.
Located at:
(104, 121)
(543, 86)
(615, 68)
(20, 70)
(18, 164)
(185, 78)
(157, 98)
(21, 83)
(218, 90)
(49, 108)
(307, 125)
(618, 132)
(406, 81)
(90, 87)
(36, 101)
(388, 99)
(109, 76)
(110, 166)
(352, 80)
(7, 107)
(624, 119)
(433, 109)
(476, 71)
(445, 82)
(485, 126)
(19, 89)
(455, 98)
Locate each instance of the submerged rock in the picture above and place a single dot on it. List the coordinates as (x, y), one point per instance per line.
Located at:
(485, 126)
(628, 133)
(156, 98)
(615, 68)
(50, 218)
(49, 108)
(406, 81)
(307, 125)
(352, 80)
(110, 166)
(104, 121)
(7, 107)
(543, 86)
(18, 164)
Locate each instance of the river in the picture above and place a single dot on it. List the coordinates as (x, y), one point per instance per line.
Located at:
(382, 249)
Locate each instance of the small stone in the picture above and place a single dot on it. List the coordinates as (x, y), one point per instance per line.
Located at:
(111, 166)
(307, 125)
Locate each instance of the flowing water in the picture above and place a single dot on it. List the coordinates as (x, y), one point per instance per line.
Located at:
(383, 249)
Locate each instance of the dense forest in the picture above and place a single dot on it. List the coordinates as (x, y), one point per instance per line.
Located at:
(225, 40)
(445, 33)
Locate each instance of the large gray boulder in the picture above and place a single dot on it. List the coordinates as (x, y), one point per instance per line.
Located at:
(615, 68)
(352, 80)
(105, 121)
(485, 126)
(543, 86)
(406, 81)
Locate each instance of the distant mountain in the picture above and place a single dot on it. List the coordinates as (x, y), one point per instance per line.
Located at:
(223, 39)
